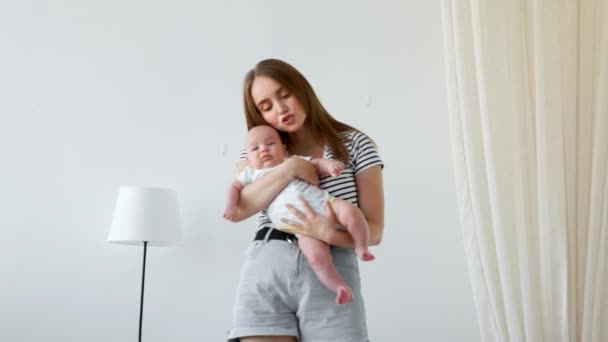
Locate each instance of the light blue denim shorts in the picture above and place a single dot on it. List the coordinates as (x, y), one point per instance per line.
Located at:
(279, 294)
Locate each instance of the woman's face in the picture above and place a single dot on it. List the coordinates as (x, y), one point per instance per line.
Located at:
(279, 107)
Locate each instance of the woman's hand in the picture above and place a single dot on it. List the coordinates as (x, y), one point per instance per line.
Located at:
(295, 167)
(313, 224)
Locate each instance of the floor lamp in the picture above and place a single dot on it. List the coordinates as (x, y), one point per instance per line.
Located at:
(149, 217)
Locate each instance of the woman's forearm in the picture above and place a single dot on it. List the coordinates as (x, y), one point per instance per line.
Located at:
(375, 234)
(258, 195)
(339, 238)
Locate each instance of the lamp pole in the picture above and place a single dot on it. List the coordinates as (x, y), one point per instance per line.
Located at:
(143, 277)
(144, 215)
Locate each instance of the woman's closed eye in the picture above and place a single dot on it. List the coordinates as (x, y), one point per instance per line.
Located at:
(264, 106)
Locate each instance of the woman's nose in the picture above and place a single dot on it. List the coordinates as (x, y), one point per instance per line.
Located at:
(281, 107)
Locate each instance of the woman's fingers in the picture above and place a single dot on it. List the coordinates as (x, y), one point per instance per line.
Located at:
(330, 210)
(296, 212)
(306, 206)
(291, 223)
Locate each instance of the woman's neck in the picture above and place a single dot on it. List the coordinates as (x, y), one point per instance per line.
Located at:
(303, 142)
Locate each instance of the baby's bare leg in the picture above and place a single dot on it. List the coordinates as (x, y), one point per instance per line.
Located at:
(352, 218)
(318, 255)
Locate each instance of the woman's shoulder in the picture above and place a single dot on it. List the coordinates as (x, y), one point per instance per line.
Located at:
(363, 151)
(353, 139)
(351, 133)
(354, 135)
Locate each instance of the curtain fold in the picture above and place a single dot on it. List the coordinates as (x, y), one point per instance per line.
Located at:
(527, 94)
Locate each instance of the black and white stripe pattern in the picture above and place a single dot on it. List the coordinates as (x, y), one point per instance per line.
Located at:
(363, 155)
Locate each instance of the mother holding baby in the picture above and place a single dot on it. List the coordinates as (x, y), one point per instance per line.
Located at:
(279, 298)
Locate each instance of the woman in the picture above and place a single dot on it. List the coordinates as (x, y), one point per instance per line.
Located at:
(279, 298)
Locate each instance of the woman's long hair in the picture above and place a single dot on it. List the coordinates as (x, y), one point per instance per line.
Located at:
(324, 127)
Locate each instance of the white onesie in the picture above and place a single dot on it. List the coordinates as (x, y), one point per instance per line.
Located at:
(277, 210)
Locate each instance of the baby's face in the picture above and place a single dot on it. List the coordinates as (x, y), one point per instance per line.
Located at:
(264, 147)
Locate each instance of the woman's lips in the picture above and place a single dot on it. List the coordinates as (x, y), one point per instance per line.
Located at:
(288, 119)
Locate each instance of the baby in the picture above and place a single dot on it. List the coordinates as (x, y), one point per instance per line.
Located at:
(265, 151)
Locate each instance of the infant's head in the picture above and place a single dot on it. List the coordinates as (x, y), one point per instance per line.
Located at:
(264, 147)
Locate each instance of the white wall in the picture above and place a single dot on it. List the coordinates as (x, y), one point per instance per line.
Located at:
(99, 94)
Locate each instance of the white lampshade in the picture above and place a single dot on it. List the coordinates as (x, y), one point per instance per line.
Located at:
(146, 214)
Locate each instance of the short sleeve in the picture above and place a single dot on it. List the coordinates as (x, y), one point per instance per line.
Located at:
(242, 155)
(245, 176)
(364, 153)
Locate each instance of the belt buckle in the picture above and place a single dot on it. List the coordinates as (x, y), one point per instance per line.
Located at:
(291, 239)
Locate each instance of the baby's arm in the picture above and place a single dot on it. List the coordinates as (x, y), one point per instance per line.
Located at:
(233, 195)
(327, 166)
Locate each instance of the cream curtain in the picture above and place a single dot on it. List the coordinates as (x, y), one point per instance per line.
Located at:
(528, 102)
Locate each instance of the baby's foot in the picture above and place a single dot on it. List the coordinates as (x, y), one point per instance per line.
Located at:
(345, 295)
(365, 255)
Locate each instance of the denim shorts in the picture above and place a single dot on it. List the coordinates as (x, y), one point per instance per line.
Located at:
(280, 295)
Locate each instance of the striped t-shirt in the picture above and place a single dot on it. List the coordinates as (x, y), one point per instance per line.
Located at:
(363, 155)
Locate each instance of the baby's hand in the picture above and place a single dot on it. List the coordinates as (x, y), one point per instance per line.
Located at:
(230, 213)
(335, 168)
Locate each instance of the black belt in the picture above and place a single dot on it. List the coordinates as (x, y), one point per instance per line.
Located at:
(275, 234)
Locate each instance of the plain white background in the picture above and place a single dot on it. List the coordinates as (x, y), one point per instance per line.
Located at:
(99, 94)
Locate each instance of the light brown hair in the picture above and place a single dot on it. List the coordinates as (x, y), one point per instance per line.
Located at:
(324, 127)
